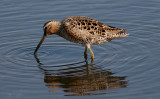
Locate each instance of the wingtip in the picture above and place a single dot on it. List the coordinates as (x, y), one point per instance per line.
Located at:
(125, 35)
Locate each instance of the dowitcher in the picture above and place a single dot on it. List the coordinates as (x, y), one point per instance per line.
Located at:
(82, 30)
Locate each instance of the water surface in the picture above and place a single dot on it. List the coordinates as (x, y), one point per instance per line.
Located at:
(125, 68)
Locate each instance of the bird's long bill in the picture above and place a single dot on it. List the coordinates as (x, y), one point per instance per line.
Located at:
(44, 36)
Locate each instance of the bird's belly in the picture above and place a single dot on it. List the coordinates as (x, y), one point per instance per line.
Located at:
(84, 40)
(73, 39)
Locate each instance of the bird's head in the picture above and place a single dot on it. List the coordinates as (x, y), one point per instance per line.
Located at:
(50, 27)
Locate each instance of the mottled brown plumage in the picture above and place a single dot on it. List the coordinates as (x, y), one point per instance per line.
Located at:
(82, 30)
(85, 30)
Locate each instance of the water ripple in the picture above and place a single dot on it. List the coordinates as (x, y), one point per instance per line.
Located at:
(123, 65)
(61, 60)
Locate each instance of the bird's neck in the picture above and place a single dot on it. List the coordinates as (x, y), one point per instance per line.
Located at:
(55, 27)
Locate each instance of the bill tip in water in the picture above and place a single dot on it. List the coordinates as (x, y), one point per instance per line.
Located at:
(35, 52)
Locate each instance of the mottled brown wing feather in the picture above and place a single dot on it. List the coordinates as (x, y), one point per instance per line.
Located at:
(78, 26)
(91, 27)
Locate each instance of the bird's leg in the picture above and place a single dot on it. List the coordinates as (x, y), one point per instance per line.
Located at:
(85, 53)
(90, 50)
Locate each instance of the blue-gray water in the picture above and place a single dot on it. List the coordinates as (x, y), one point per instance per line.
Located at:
(125, 68)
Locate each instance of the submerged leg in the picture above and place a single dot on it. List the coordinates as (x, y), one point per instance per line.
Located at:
(85, 53)
(90, 50)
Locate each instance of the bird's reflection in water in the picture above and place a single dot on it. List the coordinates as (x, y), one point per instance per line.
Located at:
(79, 79)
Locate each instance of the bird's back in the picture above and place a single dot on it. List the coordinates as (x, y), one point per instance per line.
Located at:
(85, 30)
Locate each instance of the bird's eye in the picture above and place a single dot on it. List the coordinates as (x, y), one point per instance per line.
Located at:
(45, 28)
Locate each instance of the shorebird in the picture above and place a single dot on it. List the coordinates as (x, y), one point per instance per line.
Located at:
(82, 30)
